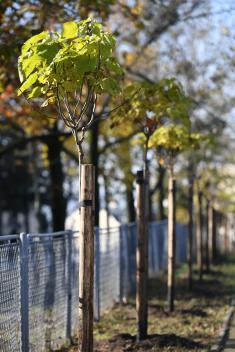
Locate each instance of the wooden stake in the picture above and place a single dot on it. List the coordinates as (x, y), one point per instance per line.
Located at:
(86, 259)
(199, 235)
(171, 241)
(214, 235)
(210, 233)
(142, 257)
(190, 232)
(207, 244)
(226, 234)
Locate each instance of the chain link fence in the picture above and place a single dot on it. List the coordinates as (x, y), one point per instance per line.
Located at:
(39, 276)
(10, 309)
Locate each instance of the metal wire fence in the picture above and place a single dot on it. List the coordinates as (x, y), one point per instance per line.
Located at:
(10, 310)
(39, 281)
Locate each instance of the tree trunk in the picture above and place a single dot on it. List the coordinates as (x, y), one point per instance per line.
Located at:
(86, 259)
(150, 207)
(106, 190)
(171, 240)
(94, 159)
(142, 256)
(210, 233)
(207, 245)
(130, 204)
(41, 219)
(58, 203)
(199, 235)
(226, 235)
(214, 236)
(190, 230)
(26, 215)
(161, 195)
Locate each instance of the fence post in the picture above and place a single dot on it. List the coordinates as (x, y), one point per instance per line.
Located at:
(69, 287)
(24, 292)
(97, 273)
(86, 260)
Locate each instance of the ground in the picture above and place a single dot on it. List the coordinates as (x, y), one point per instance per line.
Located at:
(194, 326)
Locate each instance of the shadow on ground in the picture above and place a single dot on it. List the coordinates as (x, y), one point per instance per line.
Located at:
(127, 342)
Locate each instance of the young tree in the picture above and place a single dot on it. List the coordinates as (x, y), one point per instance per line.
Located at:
(70, 69)
(149, 105)
(170, 140)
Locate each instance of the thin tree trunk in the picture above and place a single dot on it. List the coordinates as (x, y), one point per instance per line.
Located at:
(207, 256)
(171, 240)
(106, 190)
(58, 204)
(226, 237)
(26, 215)
(37, 197)
(86, 260)
(199, 235)
(142, 257)
(210, 233)
(130, 204)
(150, 207)
(214, 236)
(161, 195)
(190, 230)
(94, 158)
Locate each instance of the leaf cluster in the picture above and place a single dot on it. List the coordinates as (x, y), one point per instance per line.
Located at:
(53, 63)
(175, 138)
(149, 105)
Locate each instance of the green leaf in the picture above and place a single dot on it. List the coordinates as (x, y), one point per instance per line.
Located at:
(30, 64)
(86, 63)
(33, 40)
(35, 93)
(47, 51)
(110, 86)
(70, 30)
(28, 83)
(113, 66)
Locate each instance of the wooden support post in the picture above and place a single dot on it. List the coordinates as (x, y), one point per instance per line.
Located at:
(86, 259)
(190, 232)
(207, 244)
(214, 236)
(199, 236)
(210, 233)
(171, 242)
(226, 234)
(142, 257)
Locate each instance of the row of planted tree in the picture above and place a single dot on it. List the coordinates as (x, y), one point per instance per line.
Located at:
(72, 70)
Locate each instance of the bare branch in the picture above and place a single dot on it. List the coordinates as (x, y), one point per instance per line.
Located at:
(24, 140)
(117, 141)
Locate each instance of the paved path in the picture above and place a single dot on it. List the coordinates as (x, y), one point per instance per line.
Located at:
(230, 343)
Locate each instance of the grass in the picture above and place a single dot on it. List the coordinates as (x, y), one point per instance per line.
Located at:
(193, 326)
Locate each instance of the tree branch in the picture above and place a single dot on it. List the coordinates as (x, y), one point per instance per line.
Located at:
(23, 141)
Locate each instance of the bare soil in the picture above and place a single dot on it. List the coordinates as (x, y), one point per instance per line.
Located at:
(194, 326)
